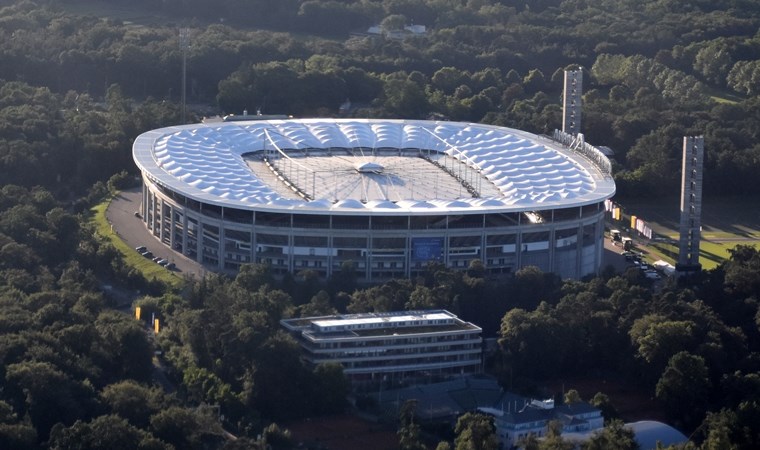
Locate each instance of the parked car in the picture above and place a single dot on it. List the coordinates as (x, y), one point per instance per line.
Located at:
(171, 266)
(652, 275)
(162, 262)
(147, 254)
(157, 259)
(141, 249)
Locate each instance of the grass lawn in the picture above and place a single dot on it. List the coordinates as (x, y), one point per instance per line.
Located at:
(724, 96)
(148, 268)
(711, 254)
(726, 223)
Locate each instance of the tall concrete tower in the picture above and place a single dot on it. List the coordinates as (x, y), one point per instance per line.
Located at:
(184, 44)
(691, 204)
(571, 104)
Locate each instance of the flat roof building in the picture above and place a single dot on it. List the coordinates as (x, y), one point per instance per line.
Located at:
(392, 348)
(531, 417)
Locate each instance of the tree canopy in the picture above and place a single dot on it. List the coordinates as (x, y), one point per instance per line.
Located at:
(75, 90)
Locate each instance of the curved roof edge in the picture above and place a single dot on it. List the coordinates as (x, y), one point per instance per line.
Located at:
(157, 171)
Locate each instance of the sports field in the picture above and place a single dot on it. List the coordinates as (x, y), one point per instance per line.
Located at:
(726, 222)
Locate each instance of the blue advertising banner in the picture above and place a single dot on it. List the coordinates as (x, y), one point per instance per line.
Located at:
(427, 249)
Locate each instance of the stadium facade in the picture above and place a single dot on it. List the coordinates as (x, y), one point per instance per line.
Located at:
(382, 196)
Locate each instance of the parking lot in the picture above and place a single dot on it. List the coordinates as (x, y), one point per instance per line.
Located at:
(621, 259)
(131, 229)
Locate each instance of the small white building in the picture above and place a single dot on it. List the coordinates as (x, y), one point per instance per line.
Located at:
(521, 419)
(397, 34)
(394, 347)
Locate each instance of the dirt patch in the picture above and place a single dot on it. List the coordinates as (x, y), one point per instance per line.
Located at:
(343, 433)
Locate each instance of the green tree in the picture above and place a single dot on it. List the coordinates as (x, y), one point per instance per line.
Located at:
(447, 79)
(553, 439)
(254, 276)
(133, 401)
(48, 394)
(124, 347)
(408, 430)
(394, 22)
(119, 181)
(741, 271)
(720, 430)
(714, 61)
(319, 305)
(529, 442)
(205, 386)
(683, 388)
(279, 358)
(572, 396)
(614, 436)
(110, 432)
(331, 388)
(344, 280)
(404, 98)
(475, 431)
(14, 434)
(744, 77)
(331, 17)
(184, 428)
(534, 81)
(658, 339)
(277, 438)
(603, 403)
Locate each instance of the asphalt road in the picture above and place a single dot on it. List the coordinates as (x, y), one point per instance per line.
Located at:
(132, 230)
(611, 256)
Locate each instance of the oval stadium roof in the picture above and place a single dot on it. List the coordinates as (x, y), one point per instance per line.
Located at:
(336, 166)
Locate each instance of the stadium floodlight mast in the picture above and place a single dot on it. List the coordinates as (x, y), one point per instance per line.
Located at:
(184, 44)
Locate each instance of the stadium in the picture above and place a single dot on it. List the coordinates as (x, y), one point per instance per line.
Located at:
(381, 197)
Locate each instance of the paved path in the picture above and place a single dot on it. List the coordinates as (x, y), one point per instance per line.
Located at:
(132, 230)
(611, 256)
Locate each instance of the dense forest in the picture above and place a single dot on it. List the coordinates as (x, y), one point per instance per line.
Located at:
(76, 90)
(655, 70)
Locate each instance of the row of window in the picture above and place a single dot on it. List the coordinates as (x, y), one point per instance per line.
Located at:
(287, 252)
(472, 359)
(270, 219)
(395, 341)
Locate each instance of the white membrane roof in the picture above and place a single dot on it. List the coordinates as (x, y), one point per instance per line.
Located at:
(516, 170)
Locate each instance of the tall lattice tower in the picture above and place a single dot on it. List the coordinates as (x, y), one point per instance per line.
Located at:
(691, 204)
(571, 104)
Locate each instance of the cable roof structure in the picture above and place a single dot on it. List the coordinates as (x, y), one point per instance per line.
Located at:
(382, 196)
(317, 160)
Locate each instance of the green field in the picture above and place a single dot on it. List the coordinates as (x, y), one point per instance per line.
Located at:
(148, 268)
(726, 223)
